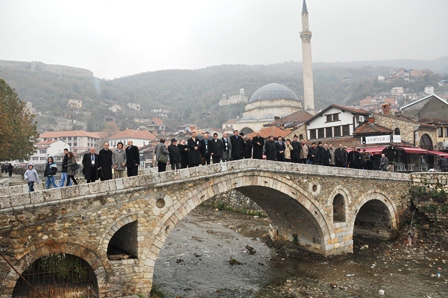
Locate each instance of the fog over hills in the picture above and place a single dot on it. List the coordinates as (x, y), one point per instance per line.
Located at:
(193, 95)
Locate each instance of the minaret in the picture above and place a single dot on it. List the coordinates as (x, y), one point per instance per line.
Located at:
(308, 87)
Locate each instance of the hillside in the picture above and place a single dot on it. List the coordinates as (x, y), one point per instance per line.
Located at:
(190, 95)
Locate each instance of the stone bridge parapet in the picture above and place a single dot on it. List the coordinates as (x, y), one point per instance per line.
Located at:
(319, 208)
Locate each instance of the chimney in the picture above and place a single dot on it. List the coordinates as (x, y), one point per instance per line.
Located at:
(386, 108)
(371, 119)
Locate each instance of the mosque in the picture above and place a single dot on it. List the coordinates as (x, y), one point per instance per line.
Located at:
(273, 101)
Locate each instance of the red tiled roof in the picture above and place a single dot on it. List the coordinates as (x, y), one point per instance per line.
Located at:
(69, 133)
(270, 131)
(371, 128)
(157, 121)
(293, 119)
(133, 134)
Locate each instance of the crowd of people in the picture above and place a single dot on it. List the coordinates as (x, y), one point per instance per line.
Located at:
(193, 152)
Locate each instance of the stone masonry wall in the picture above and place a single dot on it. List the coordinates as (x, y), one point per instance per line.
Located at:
(430, 196)
(81, 220)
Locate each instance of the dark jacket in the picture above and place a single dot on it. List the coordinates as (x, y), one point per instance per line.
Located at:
(312, 153)
(90, 171)
(269, 148)
(320, 155)
(50, 168)
(105, 163)
(237, 144)
(217, 147)
(183, 149)
(258, 148)
(205, 148)
(194, 155)
(247, 149)
(132, 156)
(296, 148)
(64, 164)
(174, 152)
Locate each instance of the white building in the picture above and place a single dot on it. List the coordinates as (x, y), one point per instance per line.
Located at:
(234, 99)
(78, 140)
(140, 138)
(134, 106)
(46, 149)
(335, 121)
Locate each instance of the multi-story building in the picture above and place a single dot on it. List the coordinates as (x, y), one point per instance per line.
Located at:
(78, 140)
(45, 149)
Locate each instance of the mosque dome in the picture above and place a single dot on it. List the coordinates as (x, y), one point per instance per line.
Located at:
(272, 92)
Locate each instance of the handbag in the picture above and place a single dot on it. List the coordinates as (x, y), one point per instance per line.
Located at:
(162, 158)
(75, 166)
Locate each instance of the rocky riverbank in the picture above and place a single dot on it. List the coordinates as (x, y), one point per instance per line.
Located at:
(196, 262)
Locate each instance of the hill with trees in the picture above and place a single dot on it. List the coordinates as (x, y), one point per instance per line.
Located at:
(191, 96)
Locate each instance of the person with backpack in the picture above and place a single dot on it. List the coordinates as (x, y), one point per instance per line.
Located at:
(31, 177)
(51, 169)
(72, 166)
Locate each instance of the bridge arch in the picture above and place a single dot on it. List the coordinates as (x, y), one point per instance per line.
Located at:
(375, 215)
(115, 227)
(100, 266)
(282, 191)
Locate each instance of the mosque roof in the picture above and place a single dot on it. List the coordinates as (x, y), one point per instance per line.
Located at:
(273, 91)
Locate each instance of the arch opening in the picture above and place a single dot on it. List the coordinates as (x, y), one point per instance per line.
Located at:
(338, 208)
(426, 142)
(124, 244)
(291, 220)
(246, 130)
(374, 221)
(58, 275)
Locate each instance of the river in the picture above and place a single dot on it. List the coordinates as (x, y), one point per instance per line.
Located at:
(196, 258)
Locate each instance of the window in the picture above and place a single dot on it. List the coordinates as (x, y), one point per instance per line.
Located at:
(312, 134)
(329, 132)
(337, 131)
(446, 132)
(346, 130)
(320, 133)
(301, 137)
(397, 131)
(332, 117)
(440, 132)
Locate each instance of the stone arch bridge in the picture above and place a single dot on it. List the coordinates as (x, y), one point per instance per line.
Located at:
(319, 208)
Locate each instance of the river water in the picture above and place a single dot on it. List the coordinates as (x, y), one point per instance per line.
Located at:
(196, 258)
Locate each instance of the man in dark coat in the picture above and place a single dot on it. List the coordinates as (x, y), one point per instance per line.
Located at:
(184, 154)
(353, 159)
(296, 148)
(226, 147)
(216, 148)
(312, 152)
(319, 159)
(270, 148)
(90, 165)
(237, 145)
(105, 162)
(132, 159)
(340, 156)
(175, 156)
(280, 147)
(64, 169)
(205, 149)
(247, 147)
(258, 143)
(194, 150)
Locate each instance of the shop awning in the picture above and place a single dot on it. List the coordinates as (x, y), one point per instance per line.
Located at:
(372, 150)
(412, 150)
(439, 153)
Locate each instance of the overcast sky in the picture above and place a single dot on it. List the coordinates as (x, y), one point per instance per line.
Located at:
(119, 38)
